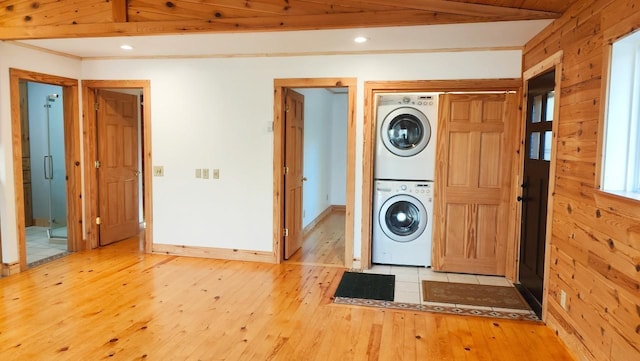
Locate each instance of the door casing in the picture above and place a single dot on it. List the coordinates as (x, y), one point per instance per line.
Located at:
(91, 151)
(72, 159)
(279, 158)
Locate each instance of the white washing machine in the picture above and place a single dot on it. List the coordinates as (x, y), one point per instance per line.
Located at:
(402, 223)
(406, 136)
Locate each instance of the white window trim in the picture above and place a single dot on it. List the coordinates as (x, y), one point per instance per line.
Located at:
(621, 149)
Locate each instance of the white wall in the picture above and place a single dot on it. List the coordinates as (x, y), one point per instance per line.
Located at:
(12, 56)
(317, 154)
(214, 112)
(325, 151)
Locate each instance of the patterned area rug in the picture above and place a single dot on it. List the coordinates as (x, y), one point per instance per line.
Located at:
(453, 309)
(473, 294)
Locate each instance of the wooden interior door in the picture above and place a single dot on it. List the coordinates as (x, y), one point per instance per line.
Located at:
(118, 171)
(535, 183)
(294, 135)
(473, 171)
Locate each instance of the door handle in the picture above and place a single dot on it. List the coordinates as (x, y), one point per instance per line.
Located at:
(48, 167)
(522, 199)
(304, 179)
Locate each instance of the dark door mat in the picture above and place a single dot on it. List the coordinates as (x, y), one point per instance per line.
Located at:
(368, 286)
(472, 294)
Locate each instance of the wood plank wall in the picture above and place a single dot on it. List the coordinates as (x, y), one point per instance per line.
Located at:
(595, 246)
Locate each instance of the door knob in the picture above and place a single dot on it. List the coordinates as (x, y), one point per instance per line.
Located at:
(522, 199)
(304, 179)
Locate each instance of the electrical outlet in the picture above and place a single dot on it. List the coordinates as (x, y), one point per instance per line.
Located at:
(216, 173)
(158, 171)
(198, 173)
(205, 173)
(563, 299)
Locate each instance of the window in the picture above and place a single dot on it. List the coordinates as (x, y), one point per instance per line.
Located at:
(621, 148)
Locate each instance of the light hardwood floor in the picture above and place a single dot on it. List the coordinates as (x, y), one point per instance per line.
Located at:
(324, 245)
(117, 303)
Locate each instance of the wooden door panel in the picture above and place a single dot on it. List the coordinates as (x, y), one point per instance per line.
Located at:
(487, 221)
(471, 201)
(118, 173)
(493, 111)
(490, 160)
(459, 160)
(455, 231)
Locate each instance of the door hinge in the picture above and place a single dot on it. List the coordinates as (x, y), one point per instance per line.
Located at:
(286, 108)
(98, 220)
(285, 170)
(97, 164)
(96, 106)
(285, 232)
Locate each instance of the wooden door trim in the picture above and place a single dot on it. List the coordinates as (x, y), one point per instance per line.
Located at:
(278, 158)
(90, 155)
(554, 61)
(72, 157)
(369, 127)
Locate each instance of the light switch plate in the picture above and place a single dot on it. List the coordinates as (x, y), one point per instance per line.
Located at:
(198, 173)
(216, 173)
(205, 173)
(158, 171)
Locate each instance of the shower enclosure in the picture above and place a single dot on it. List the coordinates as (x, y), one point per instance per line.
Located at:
(53, 167)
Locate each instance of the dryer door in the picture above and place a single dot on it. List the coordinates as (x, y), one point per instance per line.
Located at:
(403, 218)
(405, 131)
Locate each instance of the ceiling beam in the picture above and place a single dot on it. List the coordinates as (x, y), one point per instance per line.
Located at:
(119, 11)
(464, 8)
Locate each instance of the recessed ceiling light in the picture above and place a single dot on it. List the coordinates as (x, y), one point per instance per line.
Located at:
(360, 39)
(126, 47)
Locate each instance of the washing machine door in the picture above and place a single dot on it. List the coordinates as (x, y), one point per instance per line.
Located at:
(405, 131)
(403, 218)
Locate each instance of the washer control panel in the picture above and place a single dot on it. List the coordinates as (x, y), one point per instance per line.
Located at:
(412, 187)
(420, 99)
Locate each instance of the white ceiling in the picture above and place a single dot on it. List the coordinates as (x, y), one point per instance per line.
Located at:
(398, 39)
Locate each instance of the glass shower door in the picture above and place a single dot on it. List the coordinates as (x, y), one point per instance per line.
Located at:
(54, 168)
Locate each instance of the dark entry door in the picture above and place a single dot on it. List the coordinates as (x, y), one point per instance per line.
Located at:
(535, 186)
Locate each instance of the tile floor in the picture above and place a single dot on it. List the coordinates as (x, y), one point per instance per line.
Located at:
(409, 284)
(40, 247)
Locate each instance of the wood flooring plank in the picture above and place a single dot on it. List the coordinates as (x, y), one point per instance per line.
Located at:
(117, 303)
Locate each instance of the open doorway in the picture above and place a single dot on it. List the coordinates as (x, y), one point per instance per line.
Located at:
(44, 171)
(117, 159)
(303, 142)
(324, 164)
(46, 157)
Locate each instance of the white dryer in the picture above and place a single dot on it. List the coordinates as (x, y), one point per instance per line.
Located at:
(405, 137)
(402, 223)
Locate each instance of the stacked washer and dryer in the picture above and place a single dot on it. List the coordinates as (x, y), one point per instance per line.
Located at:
(404, 171)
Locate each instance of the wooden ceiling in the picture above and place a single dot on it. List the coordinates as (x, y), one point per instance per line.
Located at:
(34, 19)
